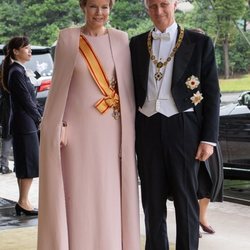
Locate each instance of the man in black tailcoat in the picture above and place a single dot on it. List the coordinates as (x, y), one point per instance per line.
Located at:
(177, 98)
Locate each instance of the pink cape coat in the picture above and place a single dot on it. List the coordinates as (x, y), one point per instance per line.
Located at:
(52, 223)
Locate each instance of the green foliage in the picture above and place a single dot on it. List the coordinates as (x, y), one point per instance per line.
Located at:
(144, 26)
(240, 55)
(218, 19)
(41, 20)
(227, 12)
(128, 14)
(48, 18)
(201, 17)
(9, 22)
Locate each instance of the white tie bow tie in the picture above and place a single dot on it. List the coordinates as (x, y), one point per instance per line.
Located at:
(163, 36)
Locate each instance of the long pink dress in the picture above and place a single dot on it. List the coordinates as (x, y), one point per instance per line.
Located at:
(88, 197)
(97, 187)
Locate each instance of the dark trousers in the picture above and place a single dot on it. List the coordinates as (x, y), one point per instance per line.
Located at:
(166, 149)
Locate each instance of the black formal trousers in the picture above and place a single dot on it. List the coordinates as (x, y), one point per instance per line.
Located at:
(166, 149)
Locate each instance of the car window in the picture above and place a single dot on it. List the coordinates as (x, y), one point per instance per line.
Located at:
(43, 64)
(40, 61)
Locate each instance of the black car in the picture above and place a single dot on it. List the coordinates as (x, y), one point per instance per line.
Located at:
(41, 62)
(234, 138)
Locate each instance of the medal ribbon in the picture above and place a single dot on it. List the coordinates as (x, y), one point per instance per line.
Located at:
(111, 98)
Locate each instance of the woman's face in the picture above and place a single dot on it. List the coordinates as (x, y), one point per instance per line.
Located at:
(96, 13)
(23, 54)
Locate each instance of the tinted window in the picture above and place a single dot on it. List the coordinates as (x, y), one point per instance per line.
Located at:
(40, 62)
(43, 64)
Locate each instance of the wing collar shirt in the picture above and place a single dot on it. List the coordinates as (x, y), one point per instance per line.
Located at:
(159, 97)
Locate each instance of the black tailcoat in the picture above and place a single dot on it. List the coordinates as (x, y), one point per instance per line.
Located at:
(195, 57)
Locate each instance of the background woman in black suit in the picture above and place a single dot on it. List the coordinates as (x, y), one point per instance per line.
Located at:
(25, 120)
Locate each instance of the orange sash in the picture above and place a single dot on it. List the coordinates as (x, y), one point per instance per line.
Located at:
(111, 98)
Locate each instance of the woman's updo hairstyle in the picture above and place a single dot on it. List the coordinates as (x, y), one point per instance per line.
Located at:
(83, 3)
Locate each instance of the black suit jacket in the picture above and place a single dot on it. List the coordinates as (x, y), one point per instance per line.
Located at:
(26, 114)
(195, 57)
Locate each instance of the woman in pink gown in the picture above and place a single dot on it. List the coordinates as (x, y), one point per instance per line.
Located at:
(88, 197)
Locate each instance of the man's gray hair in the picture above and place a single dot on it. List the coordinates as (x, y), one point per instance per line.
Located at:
(146, 2)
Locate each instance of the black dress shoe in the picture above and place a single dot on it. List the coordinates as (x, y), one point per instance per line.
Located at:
(6, 170)
(208, 229)
(20, 210)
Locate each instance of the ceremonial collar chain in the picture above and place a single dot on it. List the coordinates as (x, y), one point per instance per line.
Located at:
(158, 75)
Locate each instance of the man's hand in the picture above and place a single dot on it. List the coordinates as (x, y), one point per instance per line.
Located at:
(204, 151)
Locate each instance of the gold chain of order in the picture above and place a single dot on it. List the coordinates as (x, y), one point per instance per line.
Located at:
(159, 64)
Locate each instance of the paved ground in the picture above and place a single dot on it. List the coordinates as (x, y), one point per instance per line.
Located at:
(231, 221)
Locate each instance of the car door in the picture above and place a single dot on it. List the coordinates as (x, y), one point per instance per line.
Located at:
(237, 135)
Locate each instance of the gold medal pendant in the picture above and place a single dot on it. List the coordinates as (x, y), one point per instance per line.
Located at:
(159, 64)
(116, 108)
(158, 75)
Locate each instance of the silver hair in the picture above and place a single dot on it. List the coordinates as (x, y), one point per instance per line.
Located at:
(146, 2)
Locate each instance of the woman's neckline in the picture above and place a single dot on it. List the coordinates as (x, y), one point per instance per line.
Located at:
(84, 31)
(89, 36)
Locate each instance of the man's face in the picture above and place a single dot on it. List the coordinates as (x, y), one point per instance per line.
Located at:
(162, 12)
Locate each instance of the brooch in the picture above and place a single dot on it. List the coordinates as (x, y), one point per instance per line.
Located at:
(196, 98)
(192, 82)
